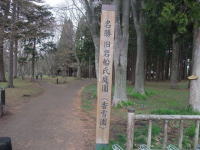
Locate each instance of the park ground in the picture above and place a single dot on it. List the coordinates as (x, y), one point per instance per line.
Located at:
(159, 99)
(43, 115)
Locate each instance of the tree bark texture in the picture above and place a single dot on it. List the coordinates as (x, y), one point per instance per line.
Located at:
(15, 58)
(16, 45)
(33, 61)
(138, 16)
(78, 74)
(10, 81)
(3, 17)
(96, 41)
(194, 99)
(139, 73)
(121, 50)
(2, 71)
(12, 35)
(175, 63)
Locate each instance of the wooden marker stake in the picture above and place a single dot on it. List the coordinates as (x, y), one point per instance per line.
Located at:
(105, 76)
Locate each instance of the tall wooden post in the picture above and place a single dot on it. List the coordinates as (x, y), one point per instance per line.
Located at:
(105, 76)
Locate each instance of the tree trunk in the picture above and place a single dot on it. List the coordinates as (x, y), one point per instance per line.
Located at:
(2, 26)
(121, 50)
(89, 67)
(21, 68)
(10, 81)
(194, 100)
(138, 16)
(175, 63)
(139, 73)
(157, 69)
(16, 45)
(96, 41)
(12, 35)
(2, 71)
(92, 20)
(15, 58)
(120, 63)
(78, 75)
(163, 68)
(33, 61)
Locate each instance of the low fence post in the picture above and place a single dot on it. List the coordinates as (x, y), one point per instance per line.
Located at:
(130, 128)
(180, 141)
(165, 134)
(2, 101)
(149, 134)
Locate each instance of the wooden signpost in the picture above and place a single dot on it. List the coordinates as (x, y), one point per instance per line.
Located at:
(105, 76)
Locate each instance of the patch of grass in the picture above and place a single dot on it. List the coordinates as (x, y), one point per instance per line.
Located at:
(91, 91)
(158, 99)
(61, 79)
(142, 131)
(133, 94)
(86, 105)
(140, 139)
(22, 87)
(120, 140)
(174, 112)
(156, 129)
(136, 95)
(190, 131)
(125, 104)
(3, 84)
(88, 97)
(150, 92)
(187, 142)
(17, 83)
(162, 98)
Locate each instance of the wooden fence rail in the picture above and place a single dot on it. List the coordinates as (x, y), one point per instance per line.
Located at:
(132, 117)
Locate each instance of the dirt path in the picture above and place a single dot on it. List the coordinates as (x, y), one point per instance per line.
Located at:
(50, 121)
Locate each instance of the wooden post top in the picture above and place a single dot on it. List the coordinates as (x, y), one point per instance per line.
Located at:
(131, 110)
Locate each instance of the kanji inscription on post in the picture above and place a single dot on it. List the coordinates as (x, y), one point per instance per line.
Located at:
(105, 74)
